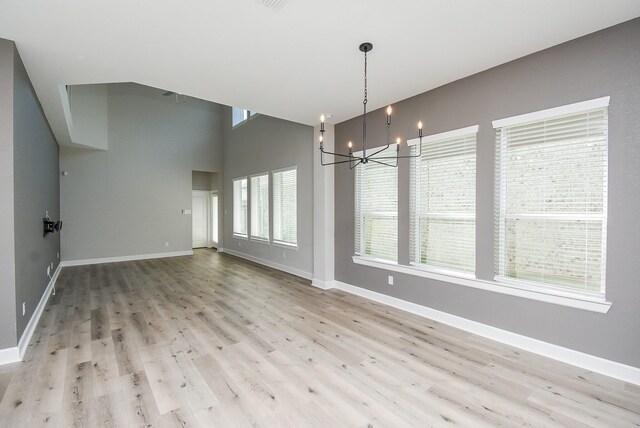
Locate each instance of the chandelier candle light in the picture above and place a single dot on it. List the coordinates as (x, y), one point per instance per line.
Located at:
(363, 157)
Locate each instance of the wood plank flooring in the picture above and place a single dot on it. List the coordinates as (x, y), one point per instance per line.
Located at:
(214, 341)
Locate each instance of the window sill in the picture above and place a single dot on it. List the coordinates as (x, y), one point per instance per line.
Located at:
(286, 245)
(260, 240)
(579, 302)
(239, 236)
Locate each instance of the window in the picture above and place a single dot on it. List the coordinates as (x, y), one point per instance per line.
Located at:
(376, 211)
(285, 209)
(240, 207)
(260, 206)
(239, 115)
(551, 197)
(443, 201)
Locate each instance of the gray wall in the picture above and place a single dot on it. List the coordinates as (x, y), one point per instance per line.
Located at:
(263, 144)
(36, 190)
(128, 200)
(202, 180)
(29, 186)
(8, 336)
(600, 64)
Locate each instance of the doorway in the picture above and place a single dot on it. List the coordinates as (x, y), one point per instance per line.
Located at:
(200, 218)
(214, 219)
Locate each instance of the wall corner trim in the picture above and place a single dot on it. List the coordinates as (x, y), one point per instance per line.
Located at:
(124, 258)
(274, 265)
(579, 359)
(323, 285)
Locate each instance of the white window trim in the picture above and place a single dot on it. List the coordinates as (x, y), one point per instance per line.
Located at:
(276, 242)
(259, 240)
(242, 236)
(532, 286)
(554, 296)
(283, 244)
(250, 115)
(455, 133)
(250, 207)
(552, 112)
(397, 214)
(445, 135)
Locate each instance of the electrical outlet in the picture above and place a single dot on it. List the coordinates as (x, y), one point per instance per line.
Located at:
(51, 265)
(46, 214)
(24, 308)
(58, 256)
(239, 243)
(166, 244)
(390, 280)
(284, 255)
(48, 270)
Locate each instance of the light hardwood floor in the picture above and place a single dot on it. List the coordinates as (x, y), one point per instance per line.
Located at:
(212, 340)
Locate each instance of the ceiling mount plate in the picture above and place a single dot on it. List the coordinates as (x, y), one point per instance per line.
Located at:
(366, 47)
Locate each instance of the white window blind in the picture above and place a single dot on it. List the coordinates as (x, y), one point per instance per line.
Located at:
(551, 200)
(260, 206)
(285, 209)
(240, 206)
(376, 211)
(443, 201)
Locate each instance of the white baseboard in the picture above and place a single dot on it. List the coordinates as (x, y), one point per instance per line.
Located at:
(15, 354)
(323, 285)
(580, 359)
(9, 355)
(125, 258)
(33, 322)
(274, 265)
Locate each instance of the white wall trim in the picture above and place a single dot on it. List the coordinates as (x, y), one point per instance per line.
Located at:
(445, 135)
(9, 356)
(268, 263)
(323, 285)
(543, 295)
(33, 322)
(124, 258)
(552, 112)
(15, 354)
(589, 362)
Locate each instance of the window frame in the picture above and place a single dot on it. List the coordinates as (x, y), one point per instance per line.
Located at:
(246, 115)
(414, 195)
(397, 216)
(501, 203)
(252, 214)
(235, 233)
(274, 241)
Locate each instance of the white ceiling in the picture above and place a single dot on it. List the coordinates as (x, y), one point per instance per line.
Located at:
(294, 61)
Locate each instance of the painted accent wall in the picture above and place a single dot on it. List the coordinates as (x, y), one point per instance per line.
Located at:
(127, 200)
(262, 144)
(605, 63)
(29, 153)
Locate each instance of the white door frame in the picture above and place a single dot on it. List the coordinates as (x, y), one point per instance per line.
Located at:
(207, 198)
(213, 243)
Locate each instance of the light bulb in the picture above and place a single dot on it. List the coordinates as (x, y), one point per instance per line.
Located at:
(350, 144)
(321, 138)
(398, 141)
(420, 125)
(322, 118)
(389, 111)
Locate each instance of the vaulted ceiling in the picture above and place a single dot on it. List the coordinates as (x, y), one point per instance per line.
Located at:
(292, 59)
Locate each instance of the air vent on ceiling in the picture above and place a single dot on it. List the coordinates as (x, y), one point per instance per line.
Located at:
(273, 4)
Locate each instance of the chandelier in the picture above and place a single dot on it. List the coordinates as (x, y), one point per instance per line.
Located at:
(364, 156)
